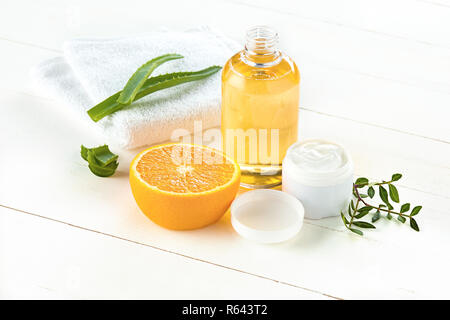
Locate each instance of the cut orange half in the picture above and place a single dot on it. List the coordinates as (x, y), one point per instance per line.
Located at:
(183, 186)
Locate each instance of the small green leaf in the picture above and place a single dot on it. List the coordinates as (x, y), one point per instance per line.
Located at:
(413, 224)
(363, 224)
(396, 176)
(389, 216)
(376, 216)
(344, 219)
(362, 214)
(401, 219)
(352, 205)
(384, 195)
(393, 192)
(404, 208)
(361, 181)
(359, 232)
(349, 210)
(382, 205)
(415, 210)
(371, 192)
(362, 195)
(365, 209)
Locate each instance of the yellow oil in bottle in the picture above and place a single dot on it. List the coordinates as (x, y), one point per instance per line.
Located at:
(260, 101)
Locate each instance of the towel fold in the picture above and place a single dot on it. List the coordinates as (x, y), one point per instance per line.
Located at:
(93, 69)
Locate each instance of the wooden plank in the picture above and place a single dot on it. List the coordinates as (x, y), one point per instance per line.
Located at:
(351, 48)
(425, 22)
(357, 49)
(72, 263)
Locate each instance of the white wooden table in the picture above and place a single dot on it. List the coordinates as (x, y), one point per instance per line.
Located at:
(375, 77)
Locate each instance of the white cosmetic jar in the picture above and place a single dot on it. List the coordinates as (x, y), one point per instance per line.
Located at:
(320, 174)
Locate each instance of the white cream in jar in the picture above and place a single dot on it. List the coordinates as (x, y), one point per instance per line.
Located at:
(320, 174)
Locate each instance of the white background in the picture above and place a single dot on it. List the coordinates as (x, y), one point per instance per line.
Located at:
(375, 77)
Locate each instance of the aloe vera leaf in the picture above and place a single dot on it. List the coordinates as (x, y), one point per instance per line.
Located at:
(106, 107)
(99, 170)
(84, 152)
(173, 79)
(102, 154)
(110, 105)
(102, 162)
(138, 78)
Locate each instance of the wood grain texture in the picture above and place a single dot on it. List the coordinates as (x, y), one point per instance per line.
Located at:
(99, 266)
(63, 189)
(375, 78)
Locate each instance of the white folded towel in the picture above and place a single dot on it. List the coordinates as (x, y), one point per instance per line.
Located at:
(93, 69)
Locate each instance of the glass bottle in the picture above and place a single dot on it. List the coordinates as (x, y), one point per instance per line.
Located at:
(260, 101)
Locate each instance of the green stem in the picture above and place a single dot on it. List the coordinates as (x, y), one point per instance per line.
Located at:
(355, 188)
(375, 184)
(353, 215)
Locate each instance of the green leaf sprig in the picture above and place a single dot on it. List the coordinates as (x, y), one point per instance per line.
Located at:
(102, 162)
(359, 206)
(138, 86)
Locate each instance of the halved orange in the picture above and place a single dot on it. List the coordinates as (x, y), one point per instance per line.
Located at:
(183, 186)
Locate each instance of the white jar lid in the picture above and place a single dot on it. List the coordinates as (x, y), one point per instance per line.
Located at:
(267, 216)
